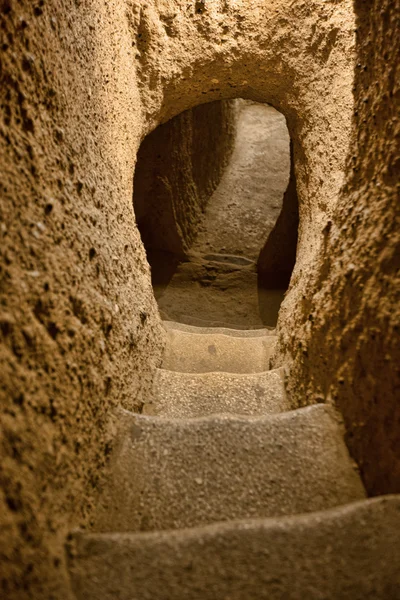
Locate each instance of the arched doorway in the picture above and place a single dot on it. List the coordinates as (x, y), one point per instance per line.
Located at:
(216, 204)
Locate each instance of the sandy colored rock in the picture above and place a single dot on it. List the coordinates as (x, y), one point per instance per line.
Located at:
(344, 335)
(277, 258)
(218, 281)
(270, 559)
(213, 291)
(248, 200)
(180, 479)
(215, 352)
(82, 84)
(190, 395)
(178, 473)
(174, 177)
(211, 329)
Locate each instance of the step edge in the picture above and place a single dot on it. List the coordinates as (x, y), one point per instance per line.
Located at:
(325, 409)
(311, 520)
(240, 333)
(278, 371)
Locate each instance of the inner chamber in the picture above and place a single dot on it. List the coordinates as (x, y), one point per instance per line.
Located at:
(216, 205)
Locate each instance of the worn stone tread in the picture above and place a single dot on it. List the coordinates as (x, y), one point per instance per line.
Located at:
(189, 395)
(350, 552)
(215, 352)
(198, 289)
(174, 473)
(192, 321)
(211, 329)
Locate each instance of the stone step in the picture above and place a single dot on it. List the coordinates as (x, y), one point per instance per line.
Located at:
(188, 352)
(193, 321)
(229, 259)
(241, 333)
(191, 395)
(346, 553)
(213, 291)
(171, 473)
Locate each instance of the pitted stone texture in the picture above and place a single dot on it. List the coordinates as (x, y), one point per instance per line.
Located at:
(171, 474)
(347, 553)
(101, 75)
(214, 352)
(189, 395)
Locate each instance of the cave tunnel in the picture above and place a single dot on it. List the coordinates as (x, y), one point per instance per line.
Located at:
(216, 205)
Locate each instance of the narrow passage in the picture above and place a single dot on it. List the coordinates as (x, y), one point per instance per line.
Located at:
(218, 286)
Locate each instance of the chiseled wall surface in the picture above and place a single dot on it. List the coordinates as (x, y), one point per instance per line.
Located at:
(178, 167)
(79, 327)
(82, 84)
(349, 350)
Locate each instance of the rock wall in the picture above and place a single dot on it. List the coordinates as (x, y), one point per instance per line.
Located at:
(348, 352)
(82, 84)
(80, 331)
(179, 166)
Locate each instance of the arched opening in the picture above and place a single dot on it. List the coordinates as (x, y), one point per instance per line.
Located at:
(216, 205)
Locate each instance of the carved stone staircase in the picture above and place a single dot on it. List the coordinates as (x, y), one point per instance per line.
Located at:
(220, 491)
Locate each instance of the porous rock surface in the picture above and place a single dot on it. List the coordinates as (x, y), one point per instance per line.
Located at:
(81, 85)
(345, 344)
